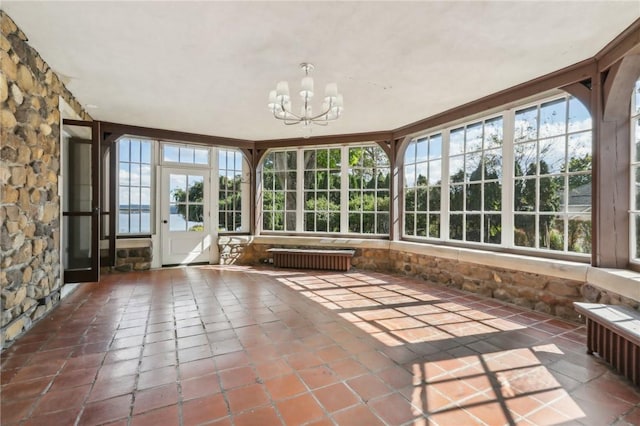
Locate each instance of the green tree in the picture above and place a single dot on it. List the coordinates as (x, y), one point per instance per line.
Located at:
(196, 194)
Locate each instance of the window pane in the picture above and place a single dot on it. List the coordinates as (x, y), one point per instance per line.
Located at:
(580, 234)
(579, 117)
(455, 227)
(408, 223)
(196, 221)
(456, 169)
(493, 229)
(145, 175)
(579, 150)
(135, 151)
(134, 174)
(473, 227)
(196, 186)
(435, 147)
(201, 156)
(421, 225)
(525, 159)
(456, 142)
(186, 155)
(474, 137)
(434, 225)
(422, 150)
(123, 150)
(524, 234)
(553, 118)
(493, 133)
(123, 175)
(526, 124)
(552, 156)
(551, 230)
(145, 156)
(171, 153)
(456, 193)
(177, 217)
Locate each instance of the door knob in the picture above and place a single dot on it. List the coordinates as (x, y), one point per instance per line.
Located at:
(165, 221)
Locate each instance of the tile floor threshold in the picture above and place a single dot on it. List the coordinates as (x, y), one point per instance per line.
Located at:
(230, 345)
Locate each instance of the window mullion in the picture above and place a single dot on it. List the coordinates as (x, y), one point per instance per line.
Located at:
(508, 177)
(344, 189)
(215, 191)
(444, 192)
(300, 190)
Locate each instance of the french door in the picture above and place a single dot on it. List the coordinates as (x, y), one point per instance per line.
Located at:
(80, 201)
(185, 216)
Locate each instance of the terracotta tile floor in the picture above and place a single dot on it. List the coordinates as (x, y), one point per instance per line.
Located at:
(243, 346)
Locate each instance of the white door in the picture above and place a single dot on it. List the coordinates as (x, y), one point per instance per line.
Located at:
(185, 216)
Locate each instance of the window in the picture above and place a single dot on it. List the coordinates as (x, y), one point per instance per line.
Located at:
(369, 172)
(335, 189)
(552, 176)
(322, 183)
(134, 186)
(423, 187)
(230, 190)
(279, 172)
(475, 182)
(521, 180)
(634, 219)
(185, 155)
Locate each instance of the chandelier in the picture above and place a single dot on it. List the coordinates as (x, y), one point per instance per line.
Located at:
(280, 103)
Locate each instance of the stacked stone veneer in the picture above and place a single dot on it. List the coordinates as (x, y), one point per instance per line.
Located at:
(30, 276)
(133, 259)
(539, 292)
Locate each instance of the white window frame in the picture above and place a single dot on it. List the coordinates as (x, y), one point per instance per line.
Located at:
(634, 169)
(300, 192)
(507, 179)
(213, 166)
(151, 187)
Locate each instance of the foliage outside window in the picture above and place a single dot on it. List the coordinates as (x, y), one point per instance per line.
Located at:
(230, 192)
(635, 174)
(552, 176)
(423, 187)
(279, 197)
(134, 186)
(322, 183)
(369, 173)
(475, 182)
(186, 205)
(343, 190)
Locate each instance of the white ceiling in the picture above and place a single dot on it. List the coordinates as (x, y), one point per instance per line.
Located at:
(207, 67)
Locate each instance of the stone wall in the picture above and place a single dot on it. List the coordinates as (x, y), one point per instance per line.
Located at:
(30, 276)
(131, 259)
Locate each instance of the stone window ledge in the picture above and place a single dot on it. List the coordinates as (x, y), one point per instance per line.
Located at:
(623, 282)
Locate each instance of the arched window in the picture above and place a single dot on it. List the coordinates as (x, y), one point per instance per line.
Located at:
(634, 219)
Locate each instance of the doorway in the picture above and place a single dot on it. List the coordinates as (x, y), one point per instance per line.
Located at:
(185, 215)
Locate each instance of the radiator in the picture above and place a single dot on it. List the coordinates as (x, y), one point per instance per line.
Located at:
(613, 332)
(334, 260)
(618, 351)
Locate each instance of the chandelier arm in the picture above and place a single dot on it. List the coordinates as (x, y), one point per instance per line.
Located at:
(295, 117)
(326, 113)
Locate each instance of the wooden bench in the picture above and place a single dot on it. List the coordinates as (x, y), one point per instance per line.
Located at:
(613, 332)
(335, 260)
